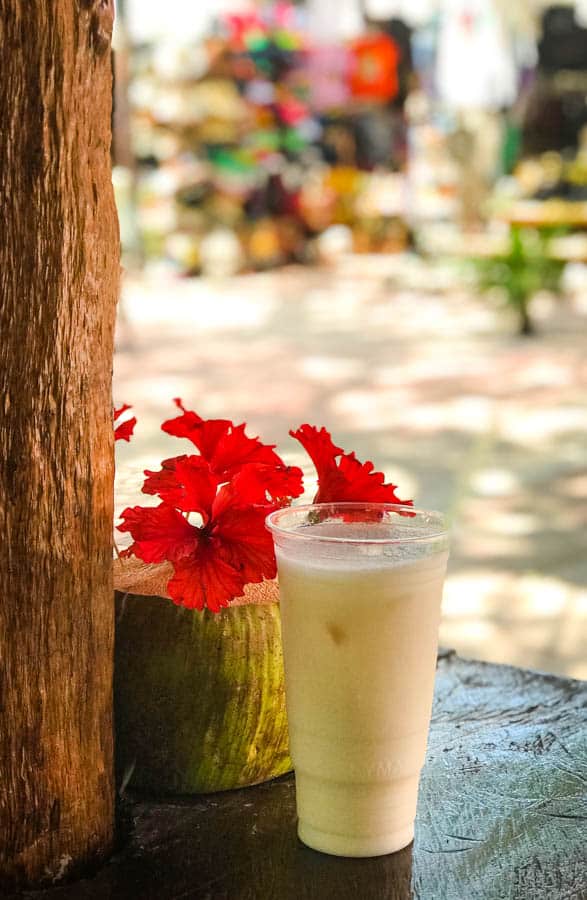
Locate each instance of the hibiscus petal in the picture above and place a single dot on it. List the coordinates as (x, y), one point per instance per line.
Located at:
(165, 480)
(205, 434)
(244, 491)
(345, 479)
(224, 445)
(319, 446)
(185, 482)
(355, 481)
(363, 484)
(260, 485)
(123, 432)
(199, 485)
(273, 485)
(159, 533)
(205, 580)
(235, 450)
(241, 538)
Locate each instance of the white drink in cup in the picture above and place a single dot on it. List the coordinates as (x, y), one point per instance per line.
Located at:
(361, 587)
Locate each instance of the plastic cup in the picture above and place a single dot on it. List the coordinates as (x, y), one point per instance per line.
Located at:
(361, 588)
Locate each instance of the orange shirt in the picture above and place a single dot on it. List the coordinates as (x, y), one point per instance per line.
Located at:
(374, 68)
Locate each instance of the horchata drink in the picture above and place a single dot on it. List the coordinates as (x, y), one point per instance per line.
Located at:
(361, 587)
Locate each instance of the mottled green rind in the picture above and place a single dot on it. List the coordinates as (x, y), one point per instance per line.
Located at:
(199, 698)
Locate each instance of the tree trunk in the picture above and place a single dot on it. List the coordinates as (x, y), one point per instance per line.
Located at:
(526, 326)
(59, 273)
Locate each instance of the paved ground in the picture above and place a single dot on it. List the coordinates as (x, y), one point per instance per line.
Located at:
(412, 371)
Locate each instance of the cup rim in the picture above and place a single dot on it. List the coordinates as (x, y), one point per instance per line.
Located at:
(272, 523)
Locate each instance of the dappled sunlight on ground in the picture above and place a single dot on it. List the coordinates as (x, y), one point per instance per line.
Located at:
(528, 619)
(408, 369)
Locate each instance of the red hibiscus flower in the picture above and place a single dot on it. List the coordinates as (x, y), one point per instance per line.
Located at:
(227, 450)
(223, 445)
(212, 561)
(124, 430)
(232, 485)
(341, 477)
(229, 487)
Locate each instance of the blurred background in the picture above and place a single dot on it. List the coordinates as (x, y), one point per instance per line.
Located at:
(372, 215)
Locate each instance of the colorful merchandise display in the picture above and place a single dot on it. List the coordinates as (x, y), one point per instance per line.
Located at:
(274, 139)
(261, 132)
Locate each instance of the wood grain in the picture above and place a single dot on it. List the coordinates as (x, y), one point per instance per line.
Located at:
(59, 273)
(502, 814)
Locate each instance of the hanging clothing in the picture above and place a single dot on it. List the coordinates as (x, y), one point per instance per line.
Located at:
(374, 75)
(327, 73)
(475, 63)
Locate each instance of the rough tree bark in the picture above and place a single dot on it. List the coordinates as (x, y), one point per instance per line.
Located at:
(59, 274)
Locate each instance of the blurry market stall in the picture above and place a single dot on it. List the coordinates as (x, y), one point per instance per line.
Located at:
(268, 133)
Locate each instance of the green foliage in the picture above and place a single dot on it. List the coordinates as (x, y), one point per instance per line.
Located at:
(522, 271)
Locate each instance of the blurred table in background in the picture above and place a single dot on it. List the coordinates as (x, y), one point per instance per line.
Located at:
(546, 214)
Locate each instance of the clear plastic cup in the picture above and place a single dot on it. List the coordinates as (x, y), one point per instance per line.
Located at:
(361, 588)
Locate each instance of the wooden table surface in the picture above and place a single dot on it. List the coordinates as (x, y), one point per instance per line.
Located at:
(502, 814)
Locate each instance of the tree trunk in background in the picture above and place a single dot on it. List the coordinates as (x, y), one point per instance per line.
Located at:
(59, 274)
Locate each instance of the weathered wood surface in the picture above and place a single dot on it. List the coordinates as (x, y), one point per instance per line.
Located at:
(502, 814)
(59, 274)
